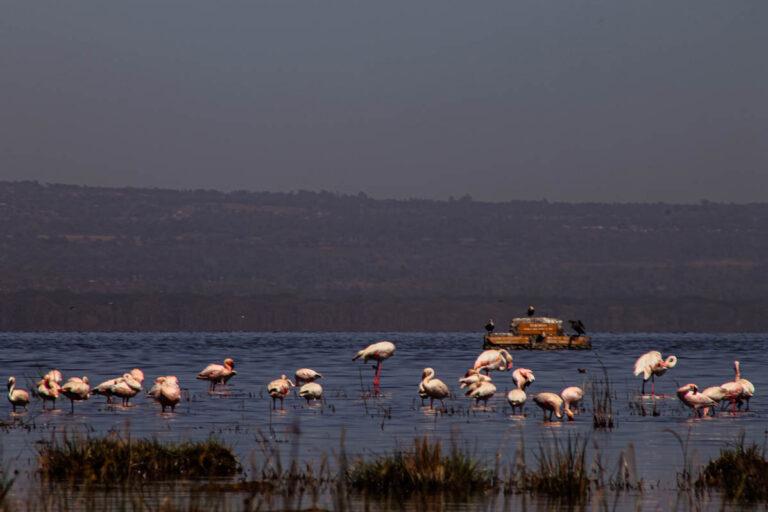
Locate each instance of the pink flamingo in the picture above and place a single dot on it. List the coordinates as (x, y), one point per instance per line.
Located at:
(53, 376)
(311, 391)
(482, 390)
(434, 389)
(517, 398)
(17, 397)
(748, 389)
(549, 402)
(218, 374)
(279, 389)
(571, 395)
(490, 360)
(734, 389)
(76, 389)
(651, 365)
(126, 388)
(378, 352)
(716, 393)
(49, 390)
(304, 375)
(698, 402)
(472, 377)
(523, 377)
(166, 392)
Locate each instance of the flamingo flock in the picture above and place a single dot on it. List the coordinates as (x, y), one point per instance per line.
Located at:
(477, 384)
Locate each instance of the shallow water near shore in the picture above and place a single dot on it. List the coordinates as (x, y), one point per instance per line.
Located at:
(242, 413)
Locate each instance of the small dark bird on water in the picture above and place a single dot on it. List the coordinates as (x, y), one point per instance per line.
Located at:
(582, 370)
(531, 310)
(490, 326)
(578, 326)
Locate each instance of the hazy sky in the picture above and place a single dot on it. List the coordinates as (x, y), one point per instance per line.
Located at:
(608, 100)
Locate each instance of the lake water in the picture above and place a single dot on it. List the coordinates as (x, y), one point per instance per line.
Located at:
(374, 425)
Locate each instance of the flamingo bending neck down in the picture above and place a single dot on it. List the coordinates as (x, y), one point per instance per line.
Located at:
(571, 396)
(311, 391)
(17, 397)
(490, 360)
(698, 402)
(378, 352)
(549, 403)
(651, 365)
(433, 388)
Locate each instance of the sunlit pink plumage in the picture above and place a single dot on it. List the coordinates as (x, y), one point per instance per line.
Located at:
(218, 373)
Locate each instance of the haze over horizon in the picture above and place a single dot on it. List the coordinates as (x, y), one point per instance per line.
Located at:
(594, 101)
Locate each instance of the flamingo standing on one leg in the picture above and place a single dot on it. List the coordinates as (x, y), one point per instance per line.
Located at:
(698, 402)
(279, 388)
(434, 389)
(549, 403)
(651, 365)
(571, 396)
(76, 389)
(17, 397)
(311, 391)
(490, 360)
(378, 352)
(49, 390)
(218, 374)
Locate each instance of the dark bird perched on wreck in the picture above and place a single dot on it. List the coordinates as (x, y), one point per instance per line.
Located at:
(531, 310)
(578, 326)
(490, 326)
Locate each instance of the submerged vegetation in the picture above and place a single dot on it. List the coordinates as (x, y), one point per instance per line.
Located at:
(114, 459)
(740, 472)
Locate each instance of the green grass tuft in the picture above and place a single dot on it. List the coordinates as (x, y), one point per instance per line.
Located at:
(740, 472)
(562, 471)
(424, 467)
(115, 460)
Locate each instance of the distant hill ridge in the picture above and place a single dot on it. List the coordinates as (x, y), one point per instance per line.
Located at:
(77, 258)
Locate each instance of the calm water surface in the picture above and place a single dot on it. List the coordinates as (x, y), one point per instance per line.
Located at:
(243, 413)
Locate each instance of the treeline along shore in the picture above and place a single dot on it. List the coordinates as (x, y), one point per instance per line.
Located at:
(122, 259)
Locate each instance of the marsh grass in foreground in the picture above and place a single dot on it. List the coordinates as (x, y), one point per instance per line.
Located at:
(740, 472)
(115, 459)
(562, 471)
(423, 467)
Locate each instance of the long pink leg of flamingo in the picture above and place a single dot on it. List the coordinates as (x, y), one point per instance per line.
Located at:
(653, 386)
(377, 375)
